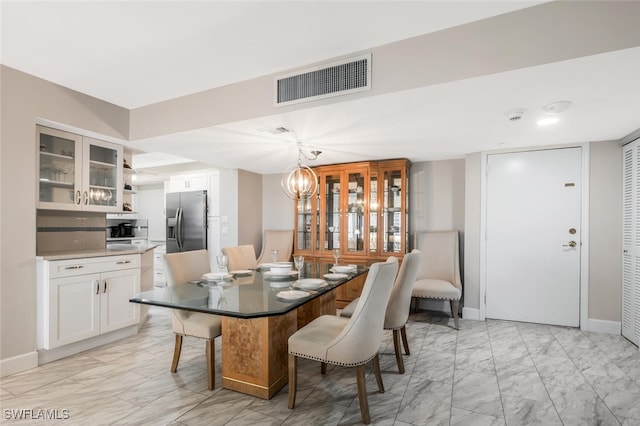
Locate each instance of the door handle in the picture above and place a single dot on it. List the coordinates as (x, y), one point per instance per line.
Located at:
(570, 244)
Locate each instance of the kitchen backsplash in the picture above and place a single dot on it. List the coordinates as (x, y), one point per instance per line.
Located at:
(60, 231)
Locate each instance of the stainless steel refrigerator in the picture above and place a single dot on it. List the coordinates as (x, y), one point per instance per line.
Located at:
(186, 221)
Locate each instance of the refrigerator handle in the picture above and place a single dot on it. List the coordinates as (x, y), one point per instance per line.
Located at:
(179, 228)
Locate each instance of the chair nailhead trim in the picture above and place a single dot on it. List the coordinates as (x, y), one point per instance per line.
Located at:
(331, 362)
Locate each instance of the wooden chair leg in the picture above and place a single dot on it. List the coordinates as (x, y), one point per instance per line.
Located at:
(376, 371)
(293, 360)
(323, 368)
(455, 305)
(362, 395)
(396, 347)
(405, 342)
(211, 363)
(176, 353)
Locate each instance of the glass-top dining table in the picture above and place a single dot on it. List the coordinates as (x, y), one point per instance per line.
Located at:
(259, 310)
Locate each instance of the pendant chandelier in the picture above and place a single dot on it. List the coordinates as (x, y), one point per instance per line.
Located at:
(300, 182)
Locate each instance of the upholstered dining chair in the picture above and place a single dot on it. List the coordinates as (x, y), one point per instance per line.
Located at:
(399, 305)
(181, 268)
(439, 273)
(240, 257)
(349, 342)
(276, 239)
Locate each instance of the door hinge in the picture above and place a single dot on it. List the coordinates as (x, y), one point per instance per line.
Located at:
(485, 298)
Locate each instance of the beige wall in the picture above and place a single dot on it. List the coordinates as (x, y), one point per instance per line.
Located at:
(436, 195)
(25, 99)
(277, 208)
(605, 231)
(472, 231)
(250, 209)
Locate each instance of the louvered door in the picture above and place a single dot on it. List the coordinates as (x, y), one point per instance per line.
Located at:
(631, 242)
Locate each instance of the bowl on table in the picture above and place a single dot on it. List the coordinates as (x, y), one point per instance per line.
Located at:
(281, 268)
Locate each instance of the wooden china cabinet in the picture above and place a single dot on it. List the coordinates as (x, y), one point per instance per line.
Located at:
(361, 209)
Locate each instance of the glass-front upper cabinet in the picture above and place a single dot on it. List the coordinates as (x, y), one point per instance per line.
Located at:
(105, 179)
(60, 158)
(78, 173)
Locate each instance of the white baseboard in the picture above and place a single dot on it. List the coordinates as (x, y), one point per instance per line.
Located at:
(46, 356)
(18, 363)
(602, 326)
(471, 313)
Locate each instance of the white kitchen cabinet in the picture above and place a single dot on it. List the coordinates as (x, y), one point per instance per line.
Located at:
(83, 298)
(78, 173)
(159, 277)
(631, 242)
(188, 182)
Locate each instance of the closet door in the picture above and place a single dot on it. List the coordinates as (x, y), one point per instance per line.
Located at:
(631, 242)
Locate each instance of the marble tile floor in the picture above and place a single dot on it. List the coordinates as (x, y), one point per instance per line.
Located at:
(487, 373)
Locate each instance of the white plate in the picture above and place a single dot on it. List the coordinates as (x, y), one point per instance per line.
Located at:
(292, 294)
(310, 283)
(335, 276)
(341, 269)
(280, 284)
(274, 275)
(212, 276)
(241, 272)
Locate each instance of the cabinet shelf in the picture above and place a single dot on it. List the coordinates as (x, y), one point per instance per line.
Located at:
(56, 183)
(51, 155)
(102, 164)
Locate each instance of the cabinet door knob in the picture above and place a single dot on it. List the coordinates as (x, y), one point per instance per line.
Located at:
(97, 287)
(105, 286)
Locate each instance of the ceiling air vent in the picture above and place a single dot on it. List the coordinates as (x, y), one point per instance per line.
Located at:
(339, 78)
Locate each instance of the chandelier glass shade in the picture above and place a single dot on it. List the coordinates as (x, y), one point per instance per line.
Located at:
(299, 182)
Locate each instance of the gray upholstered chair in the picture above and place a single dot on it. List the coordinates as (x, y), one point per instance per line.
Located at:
(399, 305)
(181, 268)
(240, 257)
(439, 273)
(349, 342)
(276, 239)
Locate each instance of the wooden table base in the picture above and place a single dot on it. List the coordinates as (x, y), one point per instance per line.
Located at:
(254, 351)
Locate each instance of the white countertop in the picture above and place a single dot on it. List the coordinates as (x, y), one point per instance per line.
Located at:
(112, 250)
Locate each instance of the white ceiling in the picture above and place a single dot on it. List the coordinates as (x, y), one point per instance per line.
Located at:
(134, 54)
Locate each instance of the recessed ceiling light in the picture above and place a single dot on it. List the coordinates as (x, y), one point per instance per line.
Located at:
(557, 107)
(515, 115)
(547, 121)
(275, 130)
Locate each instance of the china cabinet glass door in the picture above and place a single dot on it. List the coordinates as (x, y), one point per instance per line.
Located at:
(332, 208)
(373, 215)
(304, 241)
(393, 222)
(60, 157)
(355, 213)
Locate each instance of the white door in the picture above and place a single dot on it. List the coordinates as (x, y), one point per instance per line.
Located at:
(533, 236)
